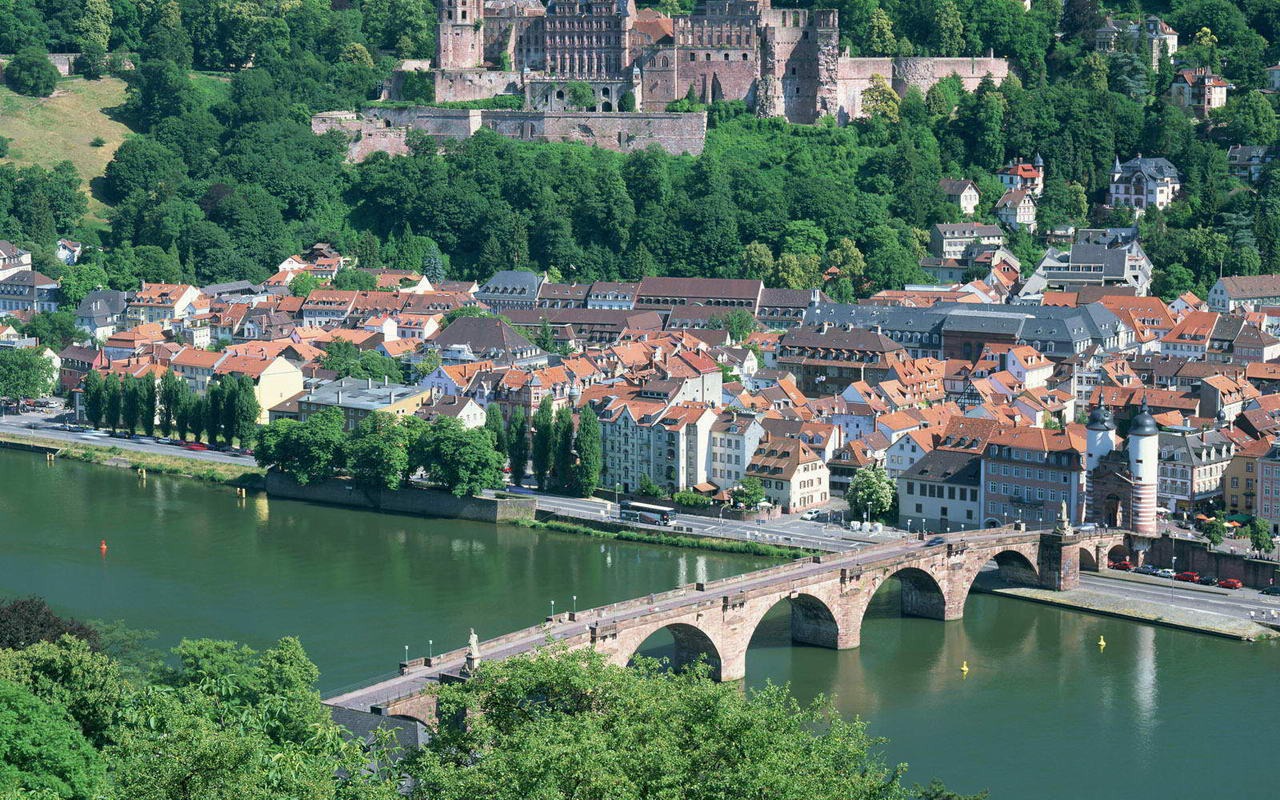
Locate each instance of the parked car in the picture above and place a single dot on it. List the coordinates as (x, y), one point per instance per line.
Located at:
(1271, 591)
(1207, 580)
(1164, 573)
(119, 435)
(1123, 566)
(1231, 583)
(937, 540)
(1146, 569)
(1187, 577)
(811, 514)
(196, 446)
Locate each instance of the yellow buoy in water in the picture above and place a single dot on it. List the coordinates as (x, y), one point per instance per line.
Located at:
(964, 667)
(1102, 643)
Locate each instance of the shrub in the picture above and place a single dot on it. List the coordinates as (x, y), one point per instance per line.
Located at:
(97, 141)
(690, 499)
(4, 146)
(31, 73)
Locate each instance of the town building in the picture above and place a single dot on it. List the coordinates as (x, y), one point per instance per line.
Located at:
(1021, 175)
(962, 193)
(957, 239)
(101, 312)
(1192, 463)
(1152, 38)
(1199, 91)
(1248, 292)
(1017, 209)
(1097, 257)
(1142, 183)
(12, 259)
(1247, 161)
(511, 289)
(1028, 473)
(793, 476)
(357, 398)
(1241, 478)
(28, 291)
(161, 302)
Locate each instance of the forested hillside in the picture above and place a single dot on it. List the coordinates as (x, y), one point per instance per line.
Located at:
(215, 188)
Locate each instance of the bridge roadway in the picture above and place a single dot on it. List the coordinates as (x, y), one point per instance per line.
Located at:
(576, 628)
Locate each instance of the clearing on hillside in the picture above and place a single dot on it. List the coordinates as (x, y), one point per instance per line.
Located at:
(46, 130)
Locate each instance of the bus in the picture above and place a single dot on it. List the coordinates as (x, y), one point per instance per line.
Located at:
(643, 512)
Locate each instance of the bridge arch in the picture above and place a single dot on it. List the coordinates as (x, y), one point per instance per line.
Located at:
(1118, 552)
(691, 643)
(922, 595)
(1088, 561)
(813, 621)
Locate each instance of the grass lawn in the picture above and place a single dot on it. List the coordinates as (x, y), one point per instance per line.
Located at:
(46, 130)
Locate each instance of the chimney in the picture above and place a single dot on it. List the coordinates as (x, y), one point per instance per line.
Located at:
(339, 397)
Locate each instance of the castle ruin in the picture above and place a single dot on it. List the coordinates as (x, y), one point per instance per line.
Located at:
(781, 62)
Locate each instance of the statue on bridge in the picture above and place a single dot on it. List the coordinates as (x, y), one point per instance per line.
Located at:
(473, 654)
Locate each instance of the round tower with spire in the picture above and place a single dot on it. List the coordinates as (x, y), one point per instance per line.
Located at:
(1144, 467)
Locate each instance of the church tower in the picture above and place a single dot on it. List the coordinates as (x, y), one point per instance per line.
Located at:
(461, 34)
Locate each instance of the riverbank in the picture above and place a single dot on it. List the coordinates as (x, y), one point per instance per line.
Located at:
(245, 477)
(1134, 610)
(610, 530)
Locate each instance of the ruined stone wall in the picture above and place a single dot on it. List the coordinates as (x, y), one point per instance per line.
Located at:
(718, 52)
(923, 73)
(386, 129)
(853, 77)
(476, 84)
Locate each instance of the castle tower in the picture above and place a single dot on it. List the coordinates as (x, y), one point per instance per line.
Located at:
(1144, 464)
(1100, 436)
(461, 34)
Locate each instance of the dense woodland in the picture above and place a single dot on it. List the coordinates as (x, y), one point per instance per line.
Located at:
(223, 184)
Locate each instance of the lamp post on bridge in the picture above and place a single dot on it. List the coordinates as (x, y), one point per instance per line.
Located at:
(431, 647)
(553, 609)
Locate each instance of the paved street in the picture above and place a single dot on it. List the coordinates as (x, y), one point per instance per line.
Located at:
(788, 531)
(44, 426)
(1237, 603)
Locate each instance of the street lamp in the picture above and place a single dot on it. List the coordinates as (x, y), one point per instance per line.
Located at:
(406, 652)
(575, 604)
(617, 489)
(553, 608)
(431, 649)
(1171, 580)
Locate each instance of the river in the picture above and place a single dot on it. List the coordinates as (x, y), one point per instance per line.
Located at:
(1043, 712)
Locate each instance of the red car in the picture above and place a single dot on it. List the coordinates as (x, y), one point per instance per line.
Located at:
(1230, 583)
(1188, 577)
(196, 446)
(1120, 565)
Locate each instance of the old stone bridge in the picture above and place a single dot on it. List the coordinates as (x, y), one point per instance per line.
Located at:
(828, 596)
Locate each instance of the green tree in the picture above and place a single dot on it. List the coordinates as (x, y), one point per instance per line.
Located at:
(31, 73)
(1215, 531)
(1260, 536)
(544, 440)
(355, 279)
(517, 439)
(25, 373)
(948, 29)
(880, 101)
(562, 457)
(579, 94)
(169, 398)
(880, 38)
(749, 492)
(462, 460)
(113, 401)
(54, 329)
(377, 453)
(534, 728)
(739, 322)
(27, 620)
(590, 449)
(42, 752)
(93, 26)
(94, 398)
(494, 424)
(308, 451)
(303, 284)
(131, 403)
(1250, 119)
(871, 492)
(77, 280)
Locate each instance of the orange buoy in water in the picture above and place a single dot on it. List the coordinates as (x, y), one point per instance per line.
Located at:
(102, 546)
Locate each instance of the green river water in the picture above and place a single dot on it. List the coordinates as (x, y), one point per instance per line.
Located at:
(1042, 713)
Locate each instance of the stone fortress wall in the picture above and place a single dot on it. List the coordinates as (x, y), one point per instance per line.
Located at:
(386, 129)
